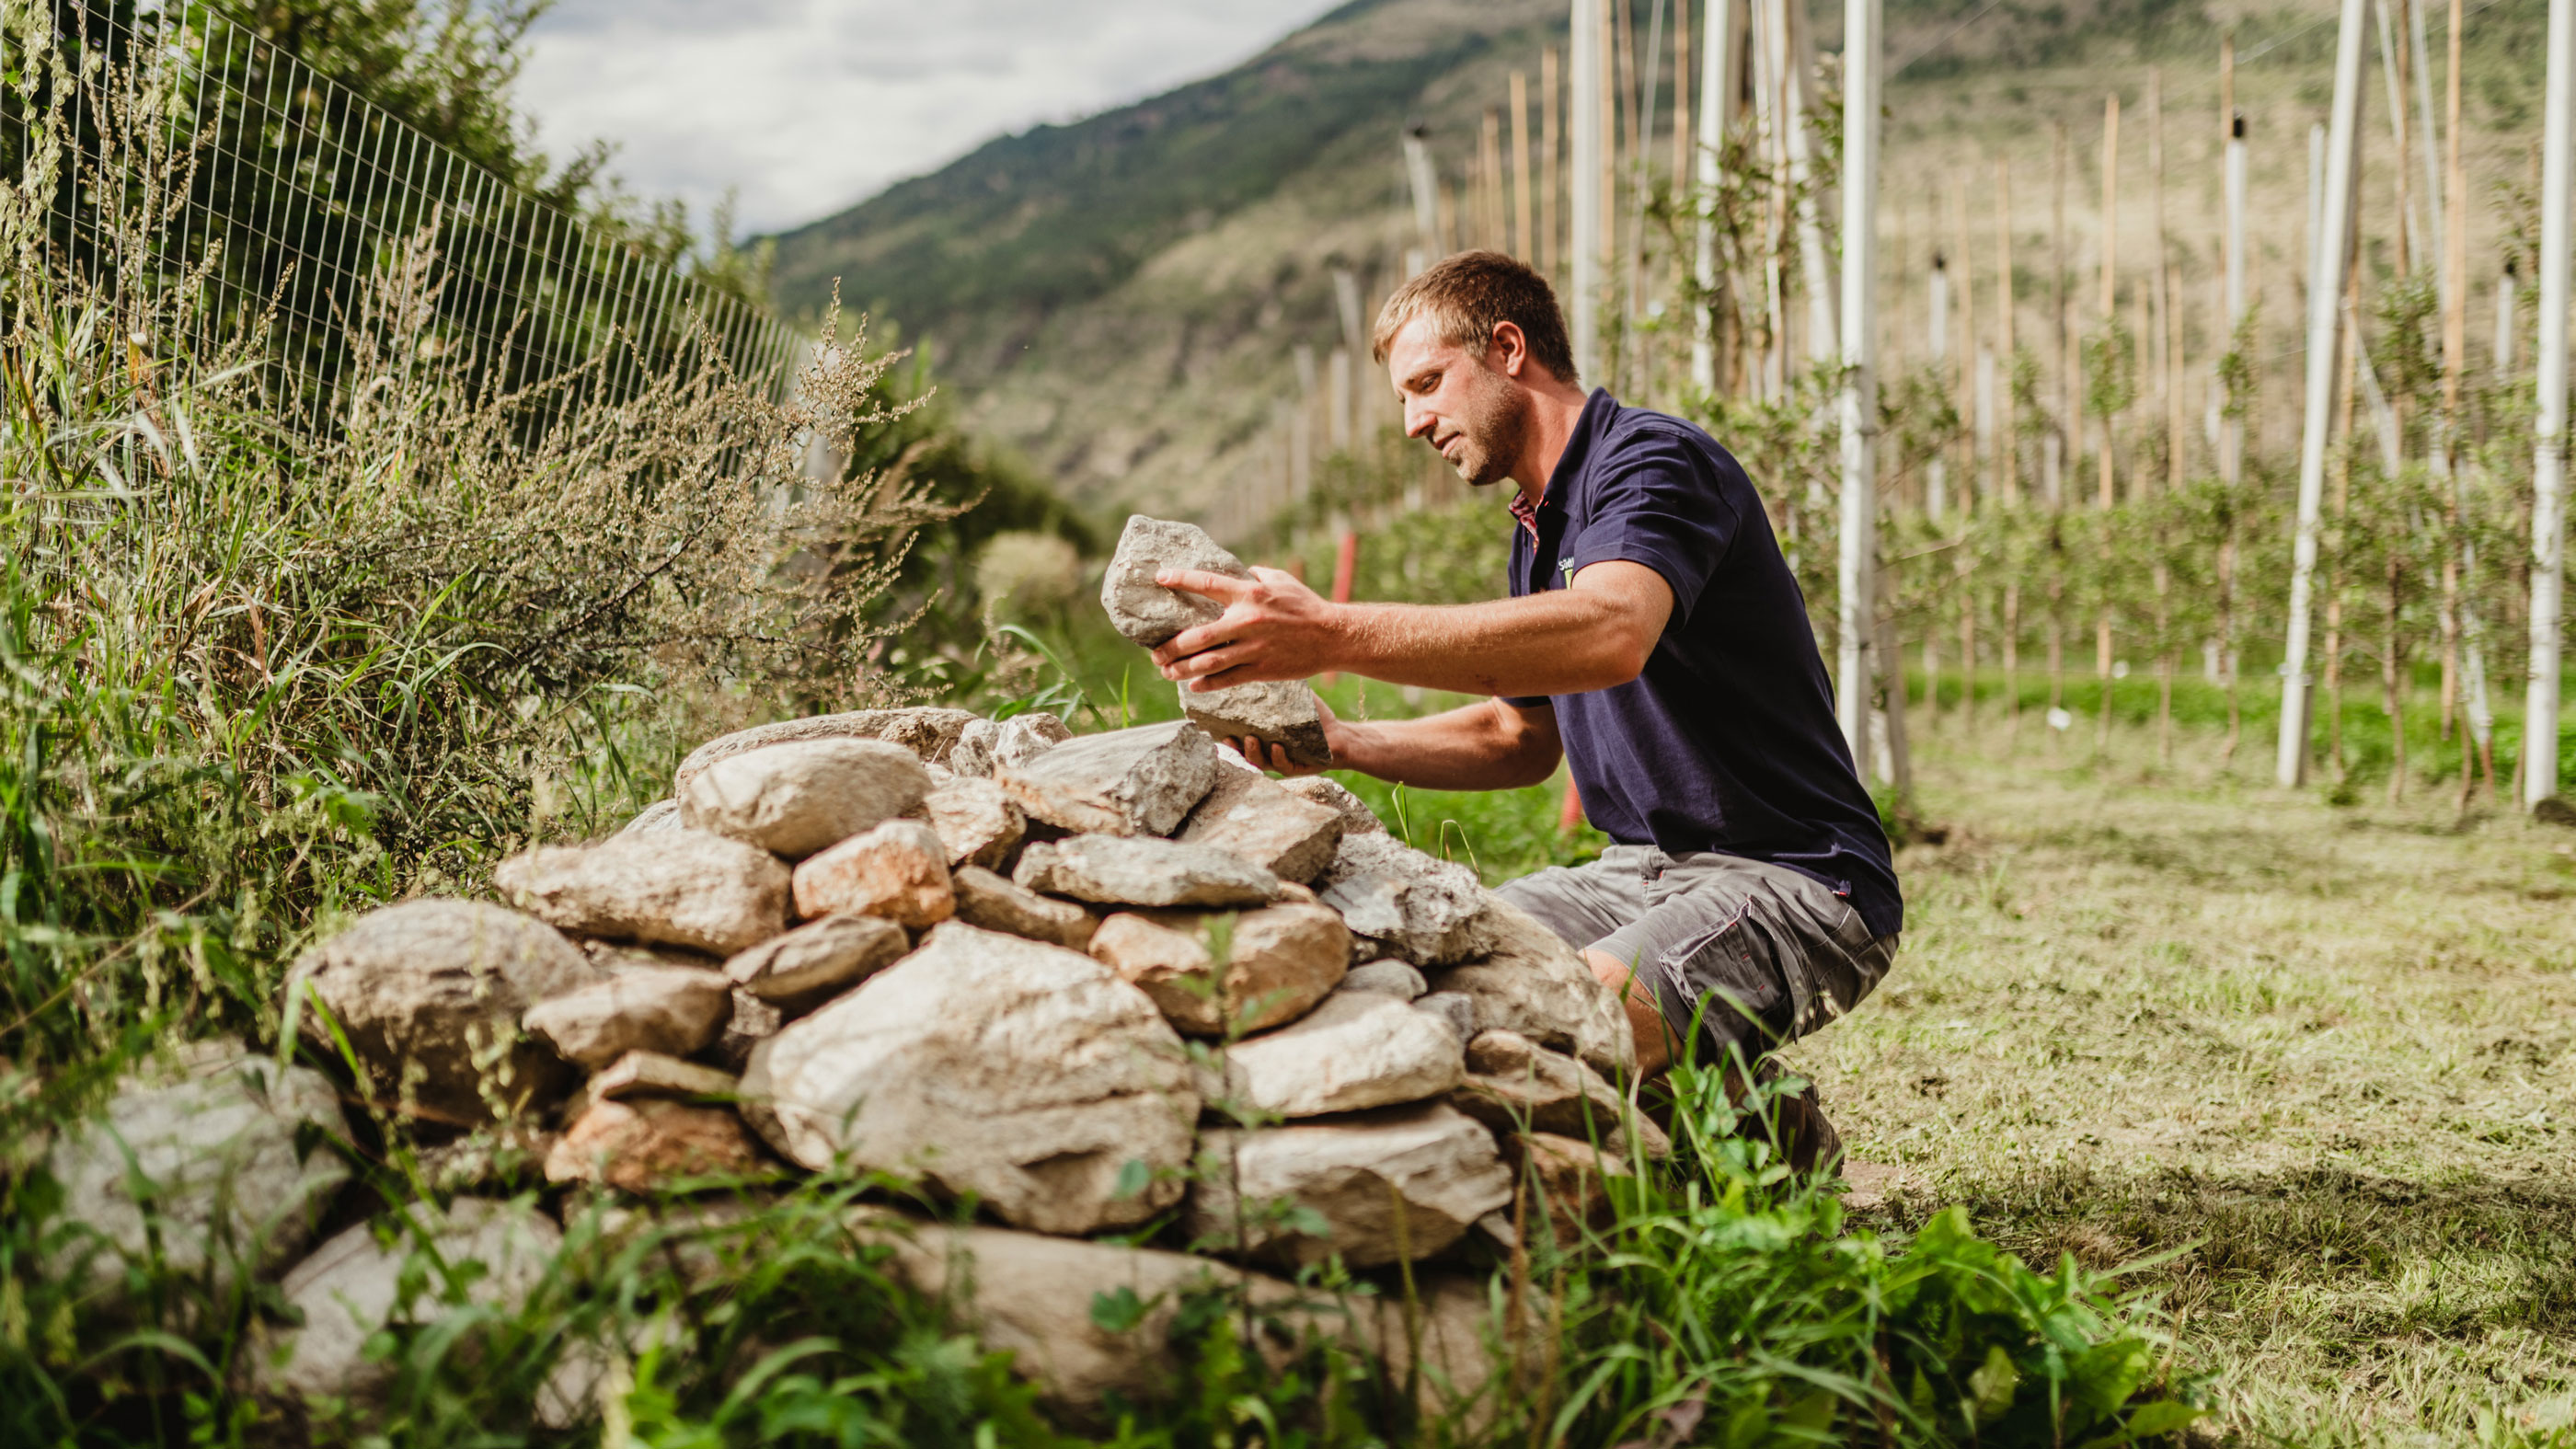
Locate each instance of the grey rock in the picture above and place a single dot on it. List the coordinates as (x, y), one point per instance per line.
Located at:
(796, 798)
(926, 731)
(221, 1163)
(1280, 712)
(989, 744)
(1454, 1007)
(613, 956)
(685, 888)
(1023, 1073)
(818, 960)
(1144, 610)
(1388, 978)
(1141, 871)
(1405, 1182)
(1515, 1085)
(653, 1074)
(976, 821)
(898, 871)
(429, 994)
(1357, 817)
(659, 816)
(1357, 1050)
(666, 1009)
(1247, 814)
(1427, 909)
(1279, 963)
(987, 900)
(1530, 981)
(753, 1021)
(354, 1287)
(1139, 781)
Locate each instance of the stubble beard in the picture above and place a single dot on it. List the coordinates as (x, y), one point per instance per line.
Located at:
(1496, 426)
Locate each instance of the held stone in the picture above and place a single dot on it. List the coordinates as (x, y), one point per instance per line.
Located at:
(223, 1165)
(1025, 1074)
(898, 871)
(1357, 1050)
(644, 1143)
(1144, 610)
(987, 900)
(1142, 871)
(818, 960)
(1248, 815)
(1280, 962)
(1428, 909)
(1530, 981)
(928, 732)
(976, 821)
(1357, 818)
(1139, 781)
(1404, 1182)
(681, 888)
(429, 994)
(796, 798)
(988, 745)
(668, 1009)
(1280, 712)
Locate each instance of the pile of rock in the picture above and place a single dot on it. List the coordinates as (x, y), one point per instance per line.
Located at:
(1079, 981)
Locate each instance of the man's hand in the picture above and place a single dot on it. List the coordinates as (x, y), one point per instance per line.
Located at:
(1273, 628)
(1338, 737)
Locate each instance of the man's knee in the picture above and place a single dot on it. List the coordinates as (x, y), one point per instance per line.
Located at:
(1645, 1014)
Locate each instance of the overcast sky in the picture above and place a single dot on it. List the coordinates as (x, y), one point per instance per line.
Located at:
(805, 106)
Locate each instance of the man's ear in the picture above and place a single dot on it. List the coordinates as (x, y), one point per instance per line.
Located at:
(1513, 346)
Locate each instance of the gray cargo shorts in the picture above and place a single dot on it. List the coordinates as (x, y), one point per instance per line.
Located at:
(1757, 954)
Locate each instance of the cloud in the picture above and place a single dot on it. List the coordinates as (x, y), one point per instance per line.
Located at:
(806, 106)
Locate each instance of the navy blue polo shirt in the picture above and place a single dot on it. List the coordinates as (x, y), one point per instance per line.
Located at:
(1727, 742)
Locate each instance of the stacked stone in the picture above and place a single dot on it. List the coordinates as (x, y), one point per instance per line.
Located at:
(1077, 981)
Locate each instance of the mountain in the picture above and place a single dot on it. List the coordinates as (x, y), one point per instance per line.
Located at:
(1119, 299)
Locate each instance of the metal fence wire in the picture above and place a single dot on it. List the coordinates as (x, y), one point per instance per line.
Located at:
(175, 148)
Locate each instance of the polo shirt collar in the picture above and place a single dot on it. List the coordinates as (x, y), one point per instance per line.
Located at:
(1588, 426)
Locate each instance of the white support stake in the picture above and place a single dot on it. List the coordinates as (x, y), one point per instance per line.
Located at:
(2325, 297)
(1583, 66)
(1857, 608)
(2549, 447)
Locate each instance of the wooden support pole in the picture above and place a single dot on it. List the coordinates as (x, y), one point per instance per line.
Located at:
(1716, 95)
(2070, 407)
(1587, 166)
(1552, 155)
(1936, 472)
(2010, 478)
(1963, 373)
(2110, 293)
(2168, 293)
(1681, 95)
(2325, 289)
(1489, 166)
(1521, 169)
(2231, 441)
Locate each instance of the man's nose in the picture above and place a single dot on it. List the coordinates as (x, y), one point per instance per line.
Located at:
(1418, 420)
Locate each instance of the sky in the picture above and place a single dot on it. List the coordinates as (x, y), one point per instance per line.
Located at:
(803, 107)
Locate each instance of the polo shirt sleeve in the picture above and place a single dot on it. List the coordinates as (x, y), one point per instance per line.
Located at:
(1658, 503)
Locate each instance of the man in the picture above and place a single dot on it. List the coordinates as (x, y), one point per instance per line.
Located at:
(1654, 637)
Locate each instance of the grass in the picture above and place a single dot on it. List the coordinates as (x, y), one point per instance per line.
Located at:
(2315, 1057)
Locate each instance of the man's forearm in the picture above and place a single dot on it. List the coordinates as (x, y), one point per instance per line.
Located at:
(1562, 642)
(1470, 748)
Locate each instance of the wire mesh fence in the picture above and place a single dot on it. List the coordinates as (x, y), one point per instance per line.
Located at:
(177, 149)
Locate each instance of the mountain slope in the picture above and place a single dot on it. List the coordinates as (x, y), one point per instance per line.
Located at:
(1119, 299)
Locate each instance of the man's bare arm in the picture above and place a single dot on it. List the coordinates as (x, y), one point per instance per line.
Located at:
(1488, 745)
(1593, 634)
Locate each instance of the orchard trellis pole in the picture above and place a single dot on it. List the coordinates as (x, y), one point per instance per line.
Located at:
(1857, 604)
(1716, 92)
(2325, 299)
(1583, 62)
(2549, 447)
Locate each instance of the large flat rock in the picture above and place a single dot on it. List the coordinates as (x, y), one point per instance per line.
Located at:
(1025, 1074)
(670, 1010)
(898, 871)
(1139, 781)
(987, 900)
(1280, 712)
(429, 994)
(797, 797)
(689, 888)
(927, 731)
(1116, 870)
(1387, 1186)
(1248, 814)
(818, 960)
(1357, 1050)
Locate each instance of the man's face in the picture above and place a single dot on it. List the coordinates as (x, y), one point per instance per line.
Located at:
(1455, 397)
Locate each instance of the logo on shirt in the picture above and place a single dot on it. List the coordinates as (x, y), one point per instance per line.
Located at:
(1565, 568)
